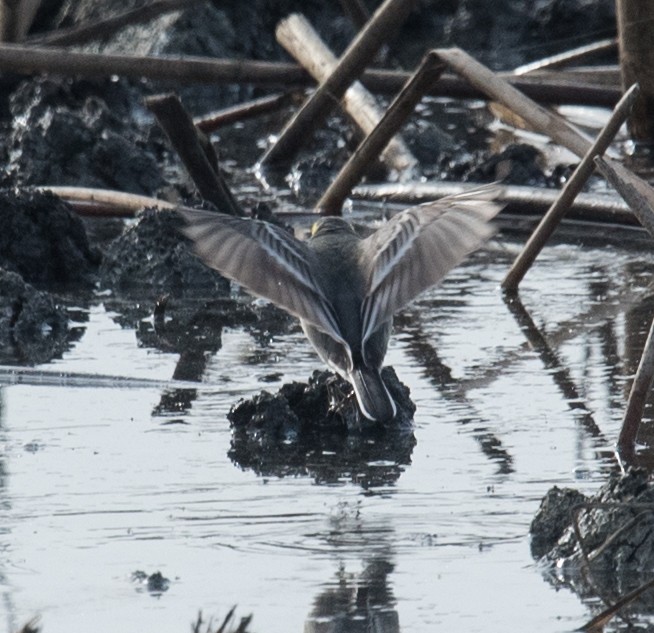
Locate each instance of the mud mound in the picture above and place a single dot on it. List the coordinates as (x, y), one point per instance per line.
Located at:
(33, 328)
(44, 241)
(153, 255)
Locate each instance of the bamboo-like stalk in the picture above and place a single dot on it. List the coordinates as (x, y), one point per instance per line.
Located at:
(192, 70)
(541, 119)
(581, 53)
(640, 197)
(395, 116)
(299, 38)
(593, 207)
(241, 111)
(572, 187)
(358, 55)
(638, 194)
(636, 35)
(197, 154)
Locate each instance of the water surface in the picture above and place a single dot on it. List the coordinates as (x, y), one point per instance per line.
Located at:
(98, 483)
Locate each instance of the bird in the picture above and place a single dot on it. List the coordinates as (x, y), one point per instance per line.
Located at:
(343, 287)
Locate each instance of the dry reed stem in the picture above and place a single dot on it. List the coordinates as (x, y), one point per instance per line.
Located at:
(569, 192)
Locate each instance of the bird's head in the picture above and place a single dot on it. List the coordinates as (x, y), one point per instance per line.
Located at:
(331, 225)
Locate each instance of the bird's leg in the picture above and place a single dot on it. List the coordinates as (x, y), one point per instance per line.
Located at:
(342, 401)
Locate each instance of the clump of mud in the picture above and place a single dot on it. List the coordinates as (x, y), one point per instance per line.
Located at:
(33, 327)
(315, 428)
(152, 255)
(44, 241)
(616, 550)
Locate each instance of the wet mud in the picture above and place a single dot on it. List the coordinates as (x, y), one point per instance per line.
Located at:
(602, 543)
(316, 429)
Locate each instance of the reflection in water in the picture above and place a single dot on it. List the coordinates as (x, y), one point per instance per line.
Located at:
(422, 350)
(553, 364)
(361, 602)
(357, 604)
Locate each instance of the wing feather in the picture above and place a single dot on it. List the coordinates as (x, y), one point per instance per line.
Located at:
(418, 247)
(264, 259)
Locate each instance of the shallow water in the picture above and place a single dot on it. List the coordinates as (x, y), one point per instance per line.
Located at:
(97, 483)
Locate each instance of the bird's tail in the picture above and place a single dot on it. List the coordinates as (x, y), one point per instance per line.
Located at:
(374, 400)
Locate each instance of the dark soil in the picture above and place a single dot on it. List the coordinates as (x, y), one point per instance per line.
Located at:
(617, 549)
(33, 328)
(316, 428)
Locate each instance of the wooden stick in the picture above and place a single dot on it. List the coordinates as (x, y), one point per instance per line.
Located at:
(640, 197)
(383, 23)
(82, 33)
(636, 33)
(572, 187)
(105, 202)
(637, 193)
(16, 17)
(249, 109)
(402, 106)
(299, 38)
(575, 55)
(542, 120)
(594, 207)
(198, 157)
(640, 389)
(191, 70)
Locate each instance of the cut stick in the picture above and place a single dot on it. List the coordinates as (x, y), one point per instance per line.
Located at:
(637, 193)
(105, 202)
(384, 23)
(581, 53)
(402, 106)
(572, 187)
(247, 110)
(300, 39)
(587, 206)
(198, 157)
(539, 118)
(201, 70)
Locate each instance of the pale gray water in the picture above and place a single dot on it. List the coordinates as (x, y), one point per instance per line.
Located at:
(94, 486)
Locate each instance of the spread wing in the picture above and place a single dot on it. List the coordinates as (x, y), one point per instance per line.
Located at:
(417, 248)
(264, 259)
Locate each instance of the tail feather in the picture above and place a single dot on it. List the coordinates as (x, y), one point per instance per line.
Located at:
(374, 400)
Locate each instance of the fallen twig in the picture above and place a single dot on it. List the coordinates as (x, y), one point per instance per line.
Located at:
(196, 153)
(270, 103)
(596, 625)
(402, 106)
(105, 202)
(83, 33)
(359, 53)
(587, 206)
(572, 187)
(539, 118)
(299, 38)
(190, 70)
(637, 193)
(575, 55)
